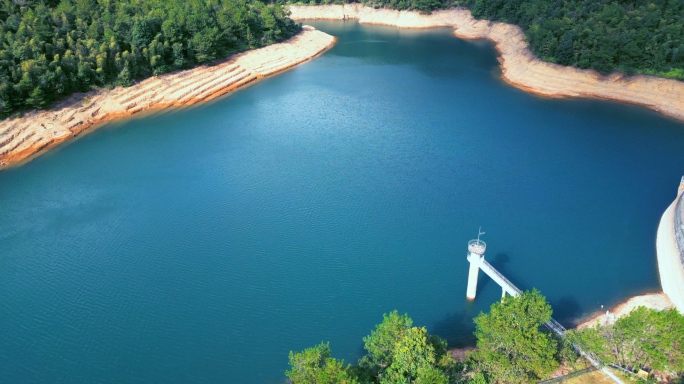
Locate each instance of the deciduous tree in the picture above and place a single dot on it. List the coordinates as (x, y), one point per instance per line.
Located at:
(315, 366)
(511, 348)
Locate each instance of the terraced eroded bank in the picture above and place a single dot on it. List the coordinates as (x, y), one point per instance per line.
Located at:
(37, 131)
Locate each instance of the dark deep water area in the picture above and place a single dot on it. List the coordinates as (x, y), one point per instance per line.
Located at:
(202, 245)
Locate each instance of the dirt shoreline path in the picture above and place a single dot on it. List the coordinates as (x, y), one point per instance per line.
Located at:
(519, 66)
(22, 138)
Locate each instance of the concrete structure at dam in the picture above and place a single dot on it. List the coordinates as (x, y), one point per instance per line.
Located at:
(670, 250)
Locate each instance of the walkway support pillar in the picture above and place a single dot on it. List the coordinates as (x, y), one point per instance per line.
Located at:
(476, 250)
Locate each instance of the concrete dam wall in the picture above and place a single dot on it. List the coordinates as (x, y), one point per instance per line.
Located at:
(670, 250)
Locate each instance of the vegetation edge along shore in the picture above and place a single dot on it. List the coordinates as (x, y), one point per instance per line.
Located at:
(21, 138)
(24, 137)
(50, 49)
(520, 67)
(627, 36)
(512, 347)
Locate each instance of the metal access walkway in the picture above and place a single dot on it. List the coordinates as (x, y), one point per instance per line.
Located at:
(552, 325)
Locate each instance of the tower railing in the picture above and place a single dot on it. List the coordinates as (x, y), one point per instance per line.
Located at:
(477, 246)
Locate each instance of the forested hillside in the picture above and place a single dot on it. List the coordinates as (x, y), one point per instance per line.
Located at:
(51, 48)
(423, 6)
(627, 35)
(630, 36)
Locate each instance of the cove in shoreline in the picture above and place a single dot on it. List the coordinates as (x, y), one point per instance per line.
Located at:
(520, 67)
(24, 137)
(174, 240)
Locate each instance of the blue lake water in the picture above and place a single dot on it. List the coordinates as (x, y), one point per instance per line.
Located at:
(202, 245)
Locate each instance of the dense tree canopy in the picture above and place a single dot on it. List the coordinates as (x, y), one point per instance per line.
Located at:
(645, 338)
(397, 353)
(626, 35)
(315, 366)
(52, 48)
(630, 36)
(423, 6)
(511, 347)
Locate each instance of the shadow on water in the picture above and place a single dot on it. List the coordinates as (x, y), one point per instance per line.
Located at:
(567, 311)
(500, 260)
(378, 44)
(360, 352)
(500, 263)
(456, 328)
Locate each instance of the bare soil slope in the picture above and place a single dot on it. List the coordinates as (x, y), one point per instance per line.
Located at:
(23, 137)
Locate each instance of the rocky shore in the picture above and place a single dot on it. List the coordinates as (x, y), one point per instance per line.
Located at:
(519, 66)
(21, 138)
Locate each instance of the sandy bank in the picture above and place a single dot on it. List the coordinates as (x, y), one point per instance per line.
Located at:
(519, 66)
(658, 301)
(23, 137)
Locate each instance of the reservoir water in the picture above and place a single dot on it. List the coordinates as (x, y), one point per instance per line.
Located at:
(202, 245)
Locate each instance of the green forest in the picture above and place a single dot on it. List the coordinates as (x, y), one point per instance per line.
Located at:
(630, 36)
(423, 6)
(50, 48)
(645, 37)
(513, 347)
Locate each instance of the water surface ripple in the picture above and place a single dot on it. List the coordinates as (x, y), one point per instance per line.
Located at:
(201, 245)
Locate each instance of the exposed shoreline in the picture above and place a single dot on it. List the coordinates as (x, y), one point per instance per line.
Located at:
(523, 70)
(519, 66)
(657, 301)
(24, 137)
(670, 271)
